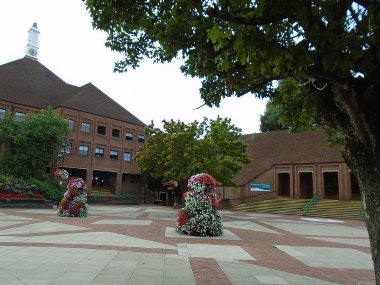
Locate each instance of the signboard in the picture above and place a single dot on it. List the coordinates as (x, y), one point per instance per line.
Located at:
(264, 187)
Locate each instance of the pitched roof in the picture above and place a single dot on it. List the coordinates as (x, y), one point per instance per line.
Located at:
(26, 81)
(281, 147)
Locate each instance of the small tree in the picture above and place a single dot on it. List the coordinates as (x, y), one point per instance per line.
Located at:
(30, 146)
(181, 150)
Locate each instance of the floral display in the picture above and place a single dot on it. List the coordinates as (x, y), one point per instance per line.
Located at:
(74, 202)
(200, 216)
(172, 184)
(61, 174)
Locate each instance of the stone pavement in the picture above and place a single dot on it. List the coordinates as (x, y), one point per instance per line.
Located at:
(138, 245)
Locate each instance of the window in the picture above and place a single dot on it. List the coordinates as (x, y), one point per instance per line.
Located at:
(83, 149)
(86, 127)
(99, 152)
(128, 136)
(114, 154)
(2, 113)
(127, 156)
(141, 138)
(70, 124)
(116, 133)
(19, 117)
(101, 130)
(66, 148)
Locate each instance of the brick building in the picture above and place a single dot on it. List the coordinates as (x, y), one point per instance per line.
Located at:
(292, 165)
(104, 136)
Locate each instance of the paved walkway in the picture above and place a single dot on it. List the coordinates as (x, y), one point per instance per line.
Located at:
(138, 245)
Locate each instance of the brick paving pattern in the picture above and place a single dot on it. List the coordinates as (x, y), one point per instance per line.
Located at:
(138, 245)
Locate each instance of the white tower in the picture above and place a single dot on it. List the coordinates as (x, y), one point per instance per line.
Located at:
(31, 48)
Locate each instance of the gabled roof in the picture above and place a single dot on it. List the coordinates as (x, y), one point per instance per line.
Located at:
(26, 81)
(281, 147)
(90, 99)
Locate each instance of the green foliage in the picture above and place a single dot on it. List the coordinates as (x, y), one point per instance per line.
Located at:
(48, 187)
(269, 121)
(32, 145)
(45, 185)
(330, 49)
(184, 149)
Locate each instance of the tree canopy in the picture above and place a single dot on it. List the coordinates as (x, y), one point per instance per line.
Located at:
(181, 150)
(270, 120)
(31, 146)
(327, 51)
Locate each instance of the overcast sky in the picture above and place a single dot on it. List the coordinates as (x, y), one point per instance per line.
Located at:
(70, 48)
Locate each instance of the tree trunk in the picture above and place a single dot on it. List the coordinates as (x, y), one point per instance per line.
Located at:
(366, 168)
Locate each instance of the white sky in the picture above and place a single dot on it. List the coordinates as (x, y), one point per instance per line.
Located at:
(76, 53)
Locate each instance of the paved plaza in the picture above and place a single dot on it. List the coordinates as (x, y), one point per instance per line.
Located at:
(139, 245)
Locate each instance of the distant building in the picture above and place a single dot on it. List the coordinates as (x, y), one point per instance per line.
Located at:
(295, 165)
(104, 136)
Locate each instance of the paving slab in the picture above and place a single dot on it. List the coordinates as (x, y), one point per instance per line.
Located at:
(249, 225)
(123, 222)
(90, 238)
(244, 273)
(329, 257)
(317, 229)
(42, 227)
(227, 235)
(218, 252)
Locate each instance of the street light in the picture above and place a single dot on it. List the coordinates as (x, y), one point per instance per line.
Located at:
(62, 157)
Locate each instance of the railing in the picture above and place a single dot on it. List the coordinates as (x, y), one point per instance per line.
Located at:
(130, 197)
(96, 196)
(310, 204)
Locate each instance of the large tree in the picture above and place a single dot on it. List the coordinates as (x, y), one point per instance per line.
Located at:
(181, 150)
(30, 146)
(327, 49)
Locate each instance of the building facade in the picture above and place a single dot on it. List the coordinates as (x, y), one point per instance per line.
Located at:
(103, 136)
(297, 166)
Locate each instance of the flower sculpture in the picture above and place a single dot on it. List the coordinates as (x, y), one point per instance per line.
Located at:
(200, 216)
(74, 202)
(61, 174)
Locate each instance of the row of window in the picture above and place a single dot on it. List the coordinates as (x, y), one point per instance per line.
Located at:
(99, 152)
(19, 116)
(102, 130)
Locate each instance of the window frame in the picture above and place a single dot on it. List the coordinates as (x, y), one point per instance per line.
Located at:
(20, 117)
(99, 154)
(130, 156)
(80, 150)
(2, 113)
(70, 124)
(128, 136)
(141, 138)
(103, 128)
(85, 127)
(113, 156)
(117, 131)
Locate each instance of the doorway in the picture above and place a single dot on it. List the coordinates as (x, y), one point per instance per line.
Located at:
(283, 184)
(331, 185)
(306, 185)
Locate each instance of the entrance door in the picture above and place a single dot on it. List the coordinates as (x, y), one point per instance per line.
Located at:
(355, 192)
(283, 184)
(330, 181)
(306, 185)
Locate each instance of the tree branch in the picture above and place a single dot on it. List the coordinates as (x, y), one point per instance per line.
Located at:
(240, 20)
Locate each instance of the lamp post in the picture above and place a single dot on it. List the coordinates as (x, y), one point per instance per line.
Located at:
(62, 157)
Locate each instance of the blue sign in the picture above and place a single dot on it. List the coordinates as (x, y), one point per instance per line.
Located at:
(264, 187)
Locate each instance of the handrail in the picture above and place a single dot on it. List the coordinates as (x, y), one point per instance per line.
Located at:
(96, 196)
(310, 204)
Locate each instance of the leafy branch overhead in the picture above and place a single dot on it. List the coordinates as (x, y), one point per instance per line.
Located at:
(326, 52)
